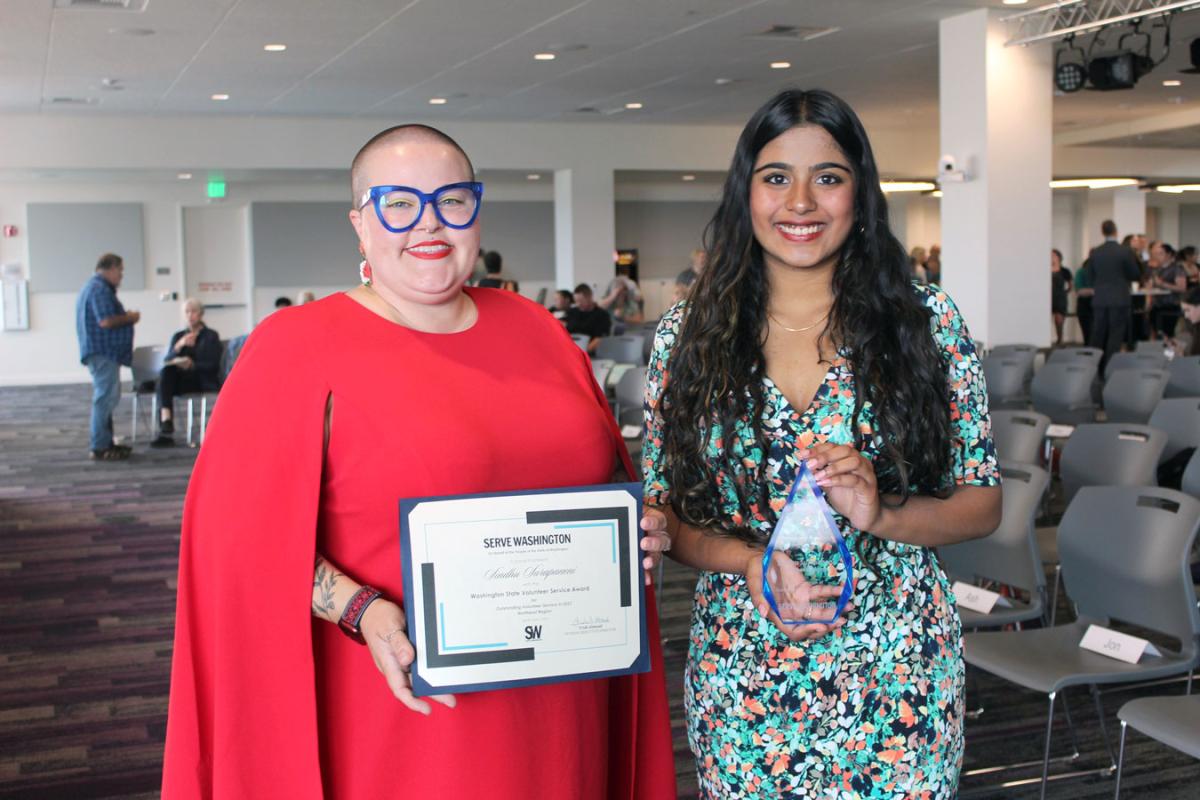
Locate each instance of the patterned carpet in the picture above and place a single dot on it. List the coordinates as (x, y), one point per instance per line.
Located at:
(87, 576)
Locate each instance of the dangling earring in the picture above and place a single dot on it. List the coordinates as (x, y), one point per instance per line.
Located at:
(364, 272)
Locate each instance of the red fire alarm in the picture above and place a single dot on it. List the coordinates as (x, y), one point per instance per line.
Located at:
(10, 231)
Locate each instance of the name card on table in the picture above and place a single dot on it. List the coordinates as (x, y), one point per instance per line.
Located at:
(1115, 644)
(978, 599)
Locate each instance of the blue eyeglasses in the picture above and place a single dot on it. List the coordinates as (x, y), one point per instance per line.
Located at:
(400, 208)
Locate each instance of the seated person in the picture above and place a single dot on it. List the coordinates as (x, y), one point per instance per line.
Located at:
(283, 302)
(562, 304)
(623, 298)
(193, 364)
(588, 318)
(494, 278)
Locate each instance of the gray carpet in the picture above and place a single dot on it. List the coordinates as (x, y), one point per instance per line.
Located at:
(87, 571)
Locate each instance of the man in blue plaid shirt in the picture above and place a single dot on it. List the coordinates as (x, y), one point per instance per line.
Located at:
(105, 332)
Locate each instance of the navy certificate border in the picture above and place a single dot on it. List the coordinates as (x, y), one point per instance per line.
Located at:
(423, 688)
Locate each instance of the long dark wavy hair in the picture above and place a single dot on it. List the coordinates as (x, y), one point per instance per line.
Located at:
(717, 365)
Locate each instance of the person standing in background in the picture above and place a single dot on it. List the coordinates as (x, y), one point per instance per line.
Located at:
(933, 264)
(685, 279)
(1083, 300)
(1170, 275)
(1060, 289)
(105, 331)
(1114, 267)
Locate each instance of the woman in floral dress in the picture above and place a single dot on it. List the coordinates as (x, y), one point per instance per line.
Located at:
(806, 339)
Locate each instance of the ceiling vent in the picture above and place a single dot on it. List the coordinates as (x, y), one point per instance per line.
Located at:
(103, 5)
(793, 33)
(72, 101)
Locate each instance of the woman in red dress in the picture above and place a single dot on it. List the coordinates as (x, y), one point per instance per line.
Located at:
(406, 386)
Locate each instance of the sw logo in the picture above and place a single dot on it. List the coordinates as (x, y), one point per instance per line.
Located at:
(533, 632)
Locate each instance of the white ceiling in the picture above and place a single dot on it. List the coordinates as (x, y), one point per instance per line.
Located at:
(386, 58)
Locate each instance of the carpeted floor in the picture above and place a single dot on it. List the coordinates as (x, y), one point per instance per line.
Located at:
(87, 576)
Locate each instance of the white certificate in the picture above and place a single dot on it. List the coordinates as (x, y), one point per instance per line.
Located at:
(520, 588)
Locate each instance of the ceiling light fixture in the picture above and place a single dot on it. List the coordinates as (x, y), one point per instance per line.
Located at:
(723, 81)
(689, 177)
(907, 186)
(220, 96)
(533, 176)
(274, 48)
(544, 56)
(1092, 183)
(781, 65)
(936, 193)
(1015, 2)
(1179, 188)
(184, 176)
(633, 106)
(1172, 83)
(437, 101)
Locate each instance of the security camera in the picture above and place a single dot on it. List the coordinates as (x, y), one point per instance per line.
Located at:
(948, 171)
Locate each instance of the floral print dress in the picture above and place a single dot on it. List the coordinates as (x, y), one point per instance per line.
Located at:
(873, 710)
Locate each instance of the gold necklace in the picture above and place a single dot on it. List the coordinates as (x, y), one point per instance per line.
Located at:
(824, 317)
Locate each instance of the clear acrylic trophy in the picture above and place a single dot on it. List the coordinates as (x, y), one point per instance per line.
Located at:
(807, 533)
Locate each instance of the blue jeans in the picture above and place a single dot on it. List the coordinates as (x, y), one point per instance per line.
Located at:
(106, 393)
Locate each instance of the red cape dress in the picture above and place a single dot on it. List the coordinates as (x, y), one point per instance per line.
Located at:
(266, 701)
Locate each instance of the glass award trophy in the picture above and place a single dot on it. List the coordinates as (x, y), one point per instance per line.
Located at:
(807, 534)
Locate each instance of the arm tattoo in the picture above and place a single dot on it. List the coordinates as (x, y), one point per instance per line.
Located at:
(324, 579)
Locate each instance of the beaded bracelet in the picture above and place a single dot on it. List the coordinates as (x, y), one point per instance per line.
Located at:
(352, 616)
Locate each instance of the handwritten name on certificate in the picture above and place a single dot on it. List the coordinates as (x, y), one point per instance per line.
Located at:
(513, 589)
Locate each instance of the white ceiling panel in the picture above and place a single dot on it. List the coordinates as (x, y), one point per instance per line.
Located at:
(388, 57)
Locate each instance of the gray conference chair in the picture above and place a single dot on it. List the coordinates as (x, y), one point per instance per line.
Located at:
(1006, 382)
(1063, 392)
(1138, 360)
(1130, 395)
(581, 339)
(1124, 559)
(1026, 353)
(1179, 418)
(1185, 377)
(1155, 346)
(1019, 435)
(601, 367)
(192, 398)
(1075, 355)
(1008, 556)
(1174, 721)
(147, 363)
(1110, 454)
(630, 393)
(624, 349)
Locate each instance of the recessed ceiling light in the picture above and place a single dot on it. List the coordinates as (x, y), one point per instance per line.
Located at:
(936, 193)
(1015, 2)
(220, 97)
(723, 81)
(184, 176)
(1172, 83)
(544, 56)
(633, 106)
(274, 48)
(689, 177)
(437, 101)
(533, 176)
(781, 65)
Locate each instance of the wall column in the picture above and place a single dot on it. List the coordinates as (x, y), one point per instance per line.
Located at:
(996, 106)
(584, 226)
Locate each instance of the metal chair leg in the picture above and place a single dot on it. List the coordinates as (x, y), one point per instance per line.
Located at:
(189, 421)
(1103, 726)
(204, 419)
(1046, 755)
(1054, 594)
(133, 438)
(1070, 728)
(1120, 761)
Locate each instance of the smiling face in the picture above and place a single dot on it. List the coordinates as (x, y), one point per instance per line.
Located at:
(429, 263)
(802, 200)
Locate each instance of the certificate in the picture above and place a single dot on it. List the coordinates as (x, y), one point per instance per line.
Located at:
(520, 588)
